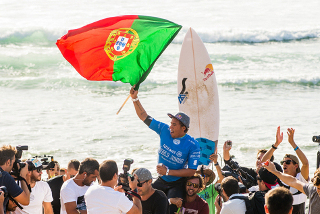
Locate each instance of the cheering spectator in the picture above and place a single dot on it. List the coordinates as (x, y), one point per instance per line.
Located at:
(311, 190)
(192, 202)
(291, 166)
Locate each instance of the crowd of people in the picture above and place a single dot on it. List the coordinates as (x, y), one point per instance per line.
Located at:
(182, 187)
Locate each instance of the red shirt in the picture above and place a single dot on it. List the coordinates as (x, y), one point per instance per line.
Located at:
(198, 206)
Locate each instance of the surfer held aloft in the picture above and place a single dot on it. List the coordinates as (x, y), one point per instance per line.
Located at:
(177, 151)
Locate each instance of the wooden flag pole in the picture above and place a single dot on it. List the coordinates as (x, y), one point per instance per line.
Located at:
(124, 103)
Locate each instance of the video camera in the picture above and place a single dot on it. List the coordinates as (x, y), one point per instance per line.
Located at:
(123, 177)
(235, 171)
(17, 165)
(44, 160)
(316, 139)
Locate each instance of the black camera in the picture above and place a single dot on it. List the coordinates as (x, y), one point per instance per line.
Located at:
(5, 191)
(316, 139)
(235, 171)
(17, 165)
(217, 187)
(123, 177)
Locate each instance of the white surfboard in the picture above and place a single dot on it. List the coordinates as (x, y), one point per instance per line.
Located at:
(198, 94)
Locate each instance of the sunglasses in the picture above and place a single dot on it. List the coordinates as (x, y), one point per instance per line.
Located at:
(287, 162)
(192, 184)
(39, 170)
(140, 184)
(71, 176)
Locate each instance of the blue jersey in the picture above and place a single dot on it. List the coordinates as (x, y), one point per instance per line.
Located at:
(175, 153)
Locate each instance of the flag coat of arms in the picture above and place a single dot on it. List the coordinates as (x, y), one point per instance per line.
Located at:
(122, 48)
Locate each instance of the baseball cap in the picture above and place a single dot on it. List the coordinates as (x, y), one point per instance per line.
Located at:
(34, 164)
(182, 117)
(292, 157)
(143, 174)
(270, 180)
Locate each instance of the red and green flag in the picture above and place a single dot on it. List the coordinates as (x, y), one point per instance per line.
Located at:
(122, 48)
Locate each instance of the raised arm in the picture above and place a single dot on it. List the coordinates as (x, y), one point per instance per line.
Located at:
(24, 197)
(142, 114)
(269, 153)
(226, 149)
(288, 179)
(301, 155)
(214, 159)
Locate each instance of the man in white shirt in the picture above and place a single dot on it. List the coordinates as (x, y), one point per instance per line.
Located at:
(106, 197)
(230, 189)
(73, 190)
(41, 195)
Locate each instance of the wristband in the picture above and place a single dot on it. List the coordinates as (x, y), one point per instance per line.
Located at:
(295, 149)
(274, 147)
(216, 164)
(134, 100)
(167, 173)
(169, 201)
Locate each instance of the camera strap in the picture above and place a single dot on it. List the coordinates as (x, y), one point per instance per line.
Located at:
(133, 193)
(19, 178)
(14, 201)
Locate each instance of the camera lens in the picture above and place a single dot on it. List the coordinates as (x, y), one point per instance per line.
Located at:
(316, 139)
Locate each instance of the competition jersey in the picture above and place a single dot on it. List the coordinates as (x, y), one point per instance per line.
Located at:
(175, 153)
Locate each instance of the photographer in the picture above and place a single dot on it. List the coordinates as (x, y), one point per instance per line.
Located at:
(7, 158)
(252, 172)
(230, 189)
(109, 198)
(73, 190)
(41, 195)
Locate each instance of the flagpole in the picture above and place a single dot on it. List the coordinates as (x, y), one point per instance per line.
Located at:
(124, 103)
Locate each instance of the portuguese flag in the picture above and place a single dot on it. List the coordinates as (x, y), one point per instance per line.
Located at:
(122, 48)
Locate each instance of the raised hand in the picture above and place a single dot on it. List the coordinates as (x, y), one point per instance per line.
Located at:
(279, 137)
(290, 132)
(214, 158)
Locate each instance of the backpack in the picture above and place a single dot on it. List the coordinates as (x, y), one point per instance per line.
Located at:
(254, 202)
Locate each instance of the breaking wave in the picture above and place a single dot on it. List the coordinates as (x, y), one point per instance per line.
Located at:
(41, 37)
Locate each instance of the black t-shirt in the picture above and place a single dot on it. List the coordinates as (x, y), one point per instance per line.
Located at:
(157, 203)
(55, 186)
(8, 181)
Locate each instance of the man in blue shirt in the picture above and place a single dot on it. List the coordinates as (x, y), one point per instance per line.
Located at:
(7, 159)
(179, 153)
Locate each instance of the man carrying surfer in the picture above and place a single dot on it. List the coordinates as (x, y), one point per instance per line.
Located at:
(177, 150)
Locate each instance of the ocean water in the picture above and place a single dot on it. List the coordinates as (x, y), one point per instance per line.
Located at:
(266, 57)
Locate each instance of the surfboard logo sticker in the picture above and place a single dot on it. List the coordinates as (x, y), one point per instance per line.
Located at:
(208, 72)
(121, 42)
(183, 96)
